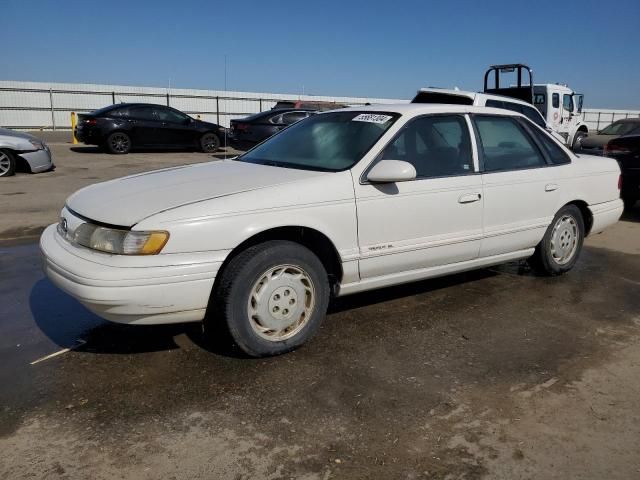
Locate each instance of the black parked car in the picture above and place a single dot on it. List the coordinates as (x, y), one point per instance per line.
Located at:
(594, 144)
(120, 128)
(626, 150)
(249, 131)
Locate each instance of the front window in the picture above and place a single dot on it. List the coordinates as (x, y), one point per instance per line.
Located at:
(567, 103)
(436, 146)
(326, 142)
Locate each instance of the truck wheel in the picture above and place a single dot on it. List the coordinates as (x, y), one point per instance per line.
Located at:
(118, 143)
(560, 247)
(271, 298)
(577, 140)
(7, 163)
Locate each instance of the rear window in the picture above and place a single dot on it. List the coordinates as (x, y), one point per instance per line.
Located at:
(555, 153)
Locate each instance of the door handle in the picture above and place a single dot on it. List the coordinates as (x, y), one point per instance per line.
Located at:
(550, 187)
(469, 198)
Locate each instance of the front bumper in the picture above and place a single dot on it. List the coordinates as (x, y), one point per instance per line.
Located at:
(156, 289)
(39, 160)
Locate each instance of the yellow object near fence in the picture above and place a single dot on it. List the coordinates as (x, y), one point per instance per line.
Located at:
(73, 128)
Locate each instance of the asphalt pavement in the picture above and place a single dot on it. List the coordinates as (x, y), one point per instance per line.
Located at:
(496, 373)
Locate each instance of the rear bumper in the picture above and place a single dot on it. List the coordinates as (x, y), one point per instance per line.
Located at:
(605, 215)
(90, 136)
(175, 292)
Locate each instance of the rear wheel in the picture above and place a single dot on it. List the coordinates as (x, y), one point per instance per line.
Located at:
(209, 142)
(560, 247)
(7, 163)
(271, 298)
(118, 143)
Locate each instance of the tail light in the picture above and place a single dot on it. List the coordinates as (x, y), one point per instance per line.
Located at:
(240, 127)
(615, 150)
(90, 121)
(619, 182)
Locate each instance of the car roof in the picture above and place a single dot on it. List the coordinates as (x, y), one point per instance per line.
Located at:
(413, 109)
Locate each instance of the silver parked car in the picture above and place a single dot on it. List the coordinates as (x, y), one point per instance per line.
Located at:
(18, 147)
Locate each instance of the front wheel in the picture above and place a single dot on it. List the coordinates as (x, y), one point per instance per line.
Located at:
(209, 142)
(577, 140)
(271, 298)
(7, 163)
(560, 247)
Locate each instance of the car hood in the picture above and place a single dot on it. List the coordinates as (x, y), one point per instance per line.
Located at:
(126, 201)
(596, 141)
(4, 132)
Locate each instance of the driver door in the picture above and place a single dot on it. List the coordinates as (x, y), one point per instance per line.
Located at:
(175, 128)
(433, 220)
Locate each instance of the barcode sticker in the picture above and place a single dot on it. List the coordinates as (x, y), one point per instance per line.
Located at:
(372, 118)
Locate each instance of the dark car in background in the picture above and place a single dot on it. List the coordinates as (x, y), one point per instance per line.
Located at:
(626, 150)
(126, 126)
(594, 144)
(247, 132)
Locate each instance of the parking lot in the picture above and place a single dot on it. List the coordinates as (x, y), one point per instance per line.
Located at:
(496, 373)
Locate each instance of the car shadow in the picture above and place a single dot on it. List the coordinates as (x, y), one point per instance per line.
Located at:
(70, 325)
(87, 150)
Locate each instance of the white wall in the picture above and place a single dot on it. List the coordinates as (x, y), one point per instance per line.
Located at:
(28, 105)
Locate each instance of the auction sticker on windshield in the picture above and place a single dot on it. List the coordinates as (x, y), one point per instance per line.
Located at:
(372, 118)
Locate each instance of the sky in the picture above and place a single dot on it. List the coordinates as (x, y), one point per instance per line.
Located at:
(385, 49)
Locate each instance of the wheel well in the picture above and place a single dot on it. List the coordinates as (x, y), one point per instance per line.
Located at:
(586, 215)
(583, 128)
(314, 240)
(21, 164)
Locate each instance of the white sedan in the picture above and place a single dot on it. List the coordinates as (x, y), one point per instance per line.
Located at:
(342, 202)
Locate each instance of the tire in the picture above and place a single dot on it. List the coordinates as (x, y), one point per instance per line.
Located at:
(209, 143)
(7, 163)
(560, 247)
(577, 140)
(118, 143)
(271, 298)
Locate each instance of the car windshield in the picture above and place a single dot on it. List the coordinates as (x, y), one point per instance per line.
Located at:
(620, 128)
(327, 142)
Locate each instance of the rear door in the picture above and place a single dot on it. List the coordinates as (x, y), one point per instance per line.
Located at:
(520, 192)
(142, 126)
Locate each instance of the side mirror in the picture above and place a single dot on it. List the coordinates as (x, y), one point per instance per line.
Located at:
(389, 171)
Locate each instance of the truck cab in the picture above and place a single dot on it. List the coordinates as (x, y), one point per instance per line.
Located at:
(562, 108)
(559, 105)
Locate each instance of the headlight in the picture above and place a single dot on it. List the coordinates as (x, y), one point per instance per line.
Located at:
(37, 144)
(116, 241)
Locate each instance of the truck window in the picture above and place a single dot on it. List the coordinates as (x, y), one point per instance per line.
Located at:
(567, 103)
(539, 99)
(556, 100)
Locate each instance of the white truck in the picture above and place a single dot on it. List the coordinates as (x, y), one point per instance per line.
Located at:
(559, 105)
